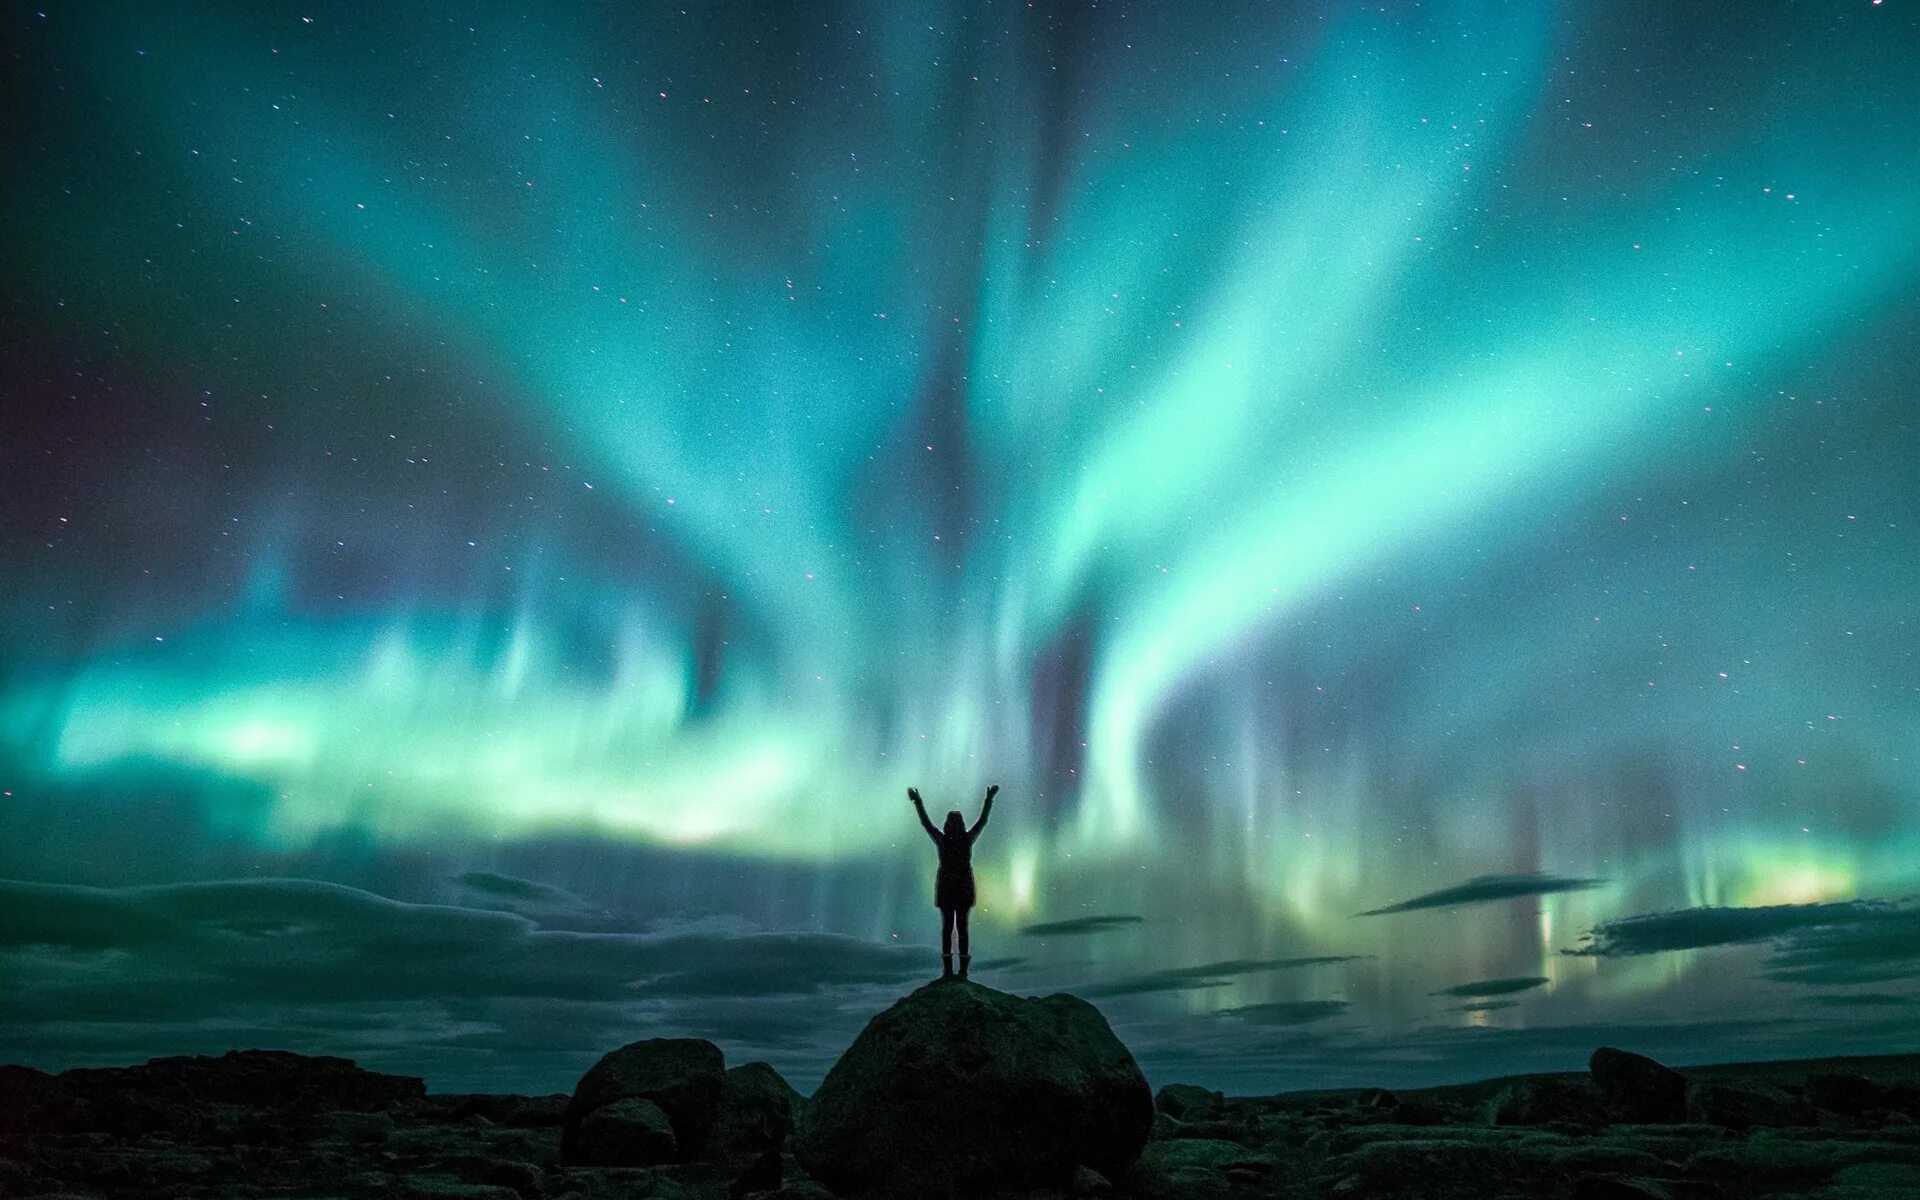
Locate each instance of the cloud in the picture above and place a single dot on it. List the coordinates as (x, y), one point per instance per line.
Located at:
(1479, 1006)
(1858, 999)
(511, 887)
(1495, 987)
(1879, 943)
(551, 907)
(1286, 1012)
(771, 964)
(329, 941)
(1485, 889)
(109, 973)
(1838, 942)
(1206, 975)
(1006, 963)
(1696, 928)
(1080, 925)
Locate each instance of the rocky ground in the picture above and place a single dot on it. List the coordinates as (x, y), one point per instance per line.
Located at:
(958, 1090)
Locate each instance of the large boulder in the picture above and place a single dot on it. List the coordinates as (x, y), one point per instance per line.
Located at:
(754, 1117)
(961, 1089)
(1637, 1089)
(683, 1077)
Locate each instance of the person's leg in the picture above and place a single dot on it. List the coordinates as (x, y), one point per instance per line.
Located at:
(946, 942)
(960, 924)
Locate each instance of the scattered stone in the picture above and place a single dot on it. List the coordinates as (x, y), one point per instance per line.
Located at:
(626, 1133)
(524, 1178)
(1603, 1187)
(1547, 1100)
(1845, 1093)
(1185, 1102)
(1874, 1181)
(1745, 1106)
(525, 1112)
(1636, 1088)
(1165, 1126)
(367, 1127)
(443, 1187)
(1425, 1168)
(804, 1189)
(142, 1133)
(763, 1174)
(1194, 1167)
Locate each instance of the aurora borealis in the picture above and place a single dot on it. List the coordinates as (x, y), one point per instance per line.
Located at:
(499, 502)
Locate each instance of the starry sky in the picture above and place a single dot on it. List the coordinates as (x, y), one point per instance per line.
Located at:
(1417, 506)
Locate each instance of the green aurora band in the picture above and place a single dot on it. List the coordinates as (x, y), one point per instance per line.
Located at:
(1306, 458)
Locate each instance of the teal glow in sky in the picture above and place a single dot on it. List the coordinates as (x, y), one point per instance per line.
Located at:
(585, 465)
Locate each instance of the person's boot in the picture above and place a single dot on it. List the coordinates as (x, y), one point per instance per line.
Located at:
(964, 960)
(946, 966)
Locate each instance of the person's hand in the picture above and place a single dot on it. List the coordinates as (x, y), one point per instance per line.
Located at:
(992, 789)
(913, 794)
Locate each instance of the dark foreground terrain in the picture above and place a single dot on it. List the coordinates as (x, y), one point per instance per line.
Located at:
(958, 1090)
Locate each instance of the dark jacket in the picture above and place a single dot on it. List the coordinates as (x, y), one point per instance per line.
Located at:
(953, 884)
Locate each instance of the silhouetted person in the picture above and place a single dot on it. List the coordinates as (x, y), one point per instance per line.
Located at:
(953, 886)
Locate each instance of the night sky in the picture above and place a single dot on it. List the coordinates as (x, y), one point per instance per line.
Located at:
(1417, 507)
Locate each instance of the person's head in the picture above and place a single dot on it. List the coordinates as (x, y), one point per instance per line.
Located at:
(955, 823)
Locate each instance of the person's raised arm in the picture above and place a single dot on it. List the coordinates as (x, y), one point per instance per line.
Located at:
(913, 794)
(986, 810)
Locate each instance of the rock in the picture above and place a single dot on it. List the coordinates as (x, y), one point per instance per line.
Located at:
(1546, 1100)
(683, 1077)
(441, 1187)
(626, 1183)
(958, 1088)
(1874, 1181)
(761, 1175)
(1185, 1102)
(1210, 1154)
(524, 1178)
(525, 1112)
(627, 1133)
(1745, 1106)
(1424, 1110)
(151, 1141)
(1420, 1168)
(1845, 1093)
(1445, 1168)
(1603, 1187)
(1194, 1167)
(255, 1079)
(368, 1127)
(803, 1189)
(1635, 1088)
(754, 1115)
